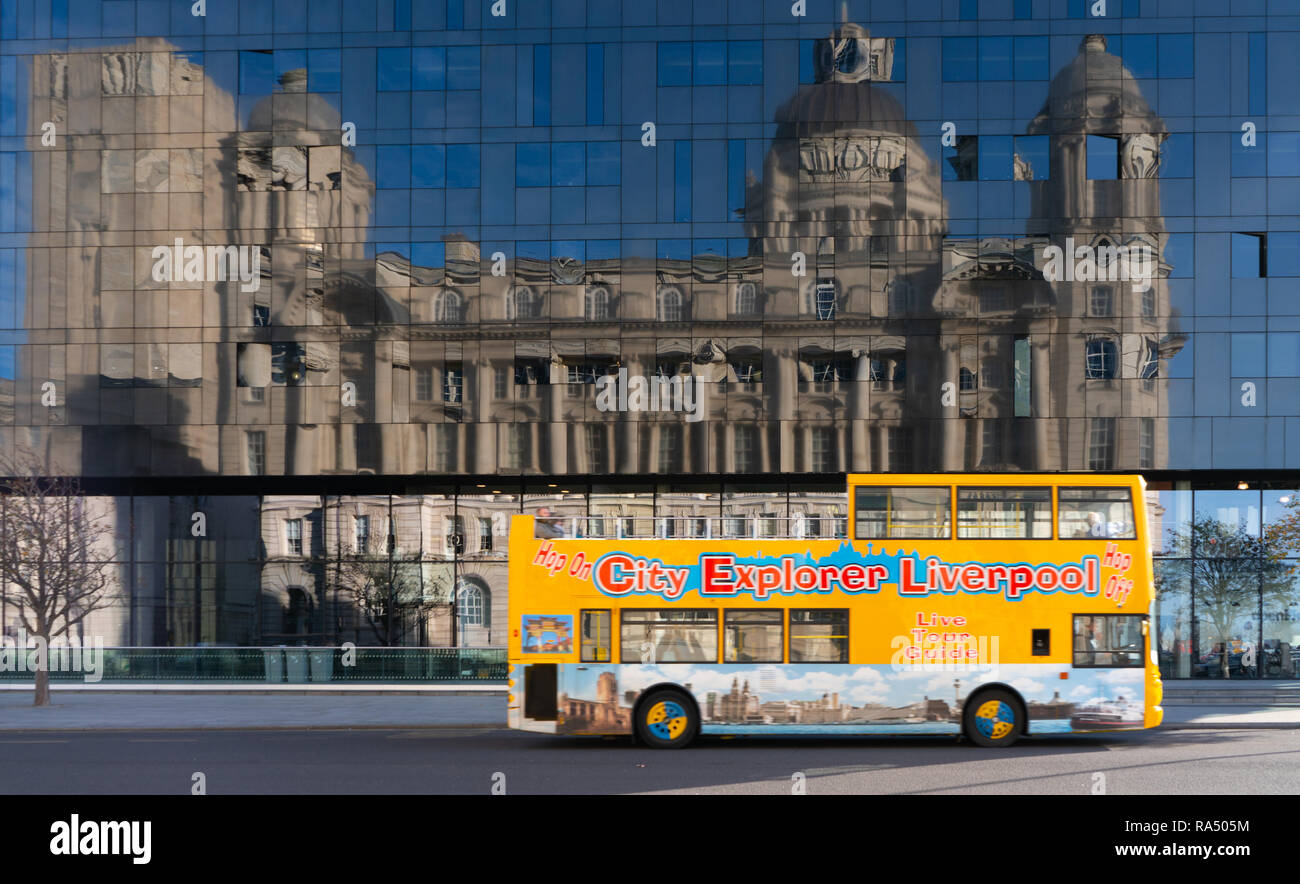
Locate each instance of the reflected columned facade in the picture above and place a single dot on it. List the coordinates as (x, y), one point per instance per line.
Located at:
(362, 299)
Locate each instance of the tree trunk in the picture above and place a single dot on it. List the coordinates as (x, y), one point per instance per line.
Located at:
(42, 685)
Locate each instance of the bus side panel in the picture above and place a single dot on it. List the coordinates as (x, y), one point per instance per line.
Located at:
(849, 699)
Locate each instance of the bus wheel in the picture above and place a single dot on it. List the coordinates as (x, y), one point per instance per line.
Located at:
(993, 719)
(667, 720)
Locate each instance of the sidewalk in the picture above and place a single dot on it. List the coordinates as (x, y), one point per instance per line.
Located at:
(137, 710)
(293, 707)
(1235, 716)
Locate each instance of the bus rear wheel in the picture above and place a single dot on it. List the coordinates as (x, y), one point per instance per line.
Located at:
(993, 719)
(667, 720)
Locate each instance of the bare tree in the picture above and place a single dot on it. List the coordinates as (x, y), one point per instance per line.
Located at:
(390, 591)
(56, 555)
(1226, 575)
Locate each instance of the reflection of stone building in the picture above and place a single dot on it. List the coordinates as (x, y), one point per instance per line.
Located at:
(401, 359)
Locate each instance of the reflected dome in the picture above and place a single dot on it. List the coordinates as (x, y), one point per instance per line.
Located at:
(1092, 93)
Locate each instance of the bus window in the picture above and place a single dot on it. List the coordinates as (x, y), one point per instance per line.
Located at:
(752, 637)
(819, 635)
(1108, 640)
(593, 645)
(1004, 513)
(885, 513)
(669, 636)
(1095, 512)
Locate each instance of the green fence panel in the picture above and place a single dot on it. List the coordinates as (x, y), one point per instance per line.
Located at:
(279, 665)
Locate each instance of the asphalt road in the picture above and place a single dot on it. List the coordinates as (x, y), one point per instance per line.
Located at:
(468, 760)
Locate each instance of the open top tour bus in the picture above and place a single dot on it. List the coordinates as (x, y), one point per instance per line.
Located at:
(1027, 612)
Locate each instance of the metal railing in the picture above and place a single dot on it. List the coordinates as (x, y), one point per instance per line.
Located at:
(279, 665)
(826, 527)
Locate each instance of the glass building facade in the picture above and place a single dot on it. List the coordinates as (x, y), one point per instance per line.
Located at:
(359, 279)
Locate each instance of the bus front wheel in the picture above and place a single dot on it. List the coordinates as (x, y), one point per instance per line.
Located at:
(667, 720)
(993, 719)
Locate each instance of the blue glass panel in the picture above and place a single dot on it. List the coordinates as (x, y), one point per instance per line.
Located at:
(428, 67)
(1034, 151)
(1176, 160)
(603, 249)
(256, 73)
(542, 86)
(995, 157)
(1140, 53)
(532, 165)
(1257, 100)
(735, 178)
(1283, 154)
(1031, 58)
(291, 16)
(995, 58)
(323, 71)
(428, 165)
(568, 164)
(1247, 355)
(1176, 56)
(710, 64)
(674, 64)
(602, 163)
(745, 62)
(1249, 162)
(1103, 158)
(595, 84)
(1284, 254)
(463, 67)
(394, 165)
(807, 72)
(462, 165)
(1284, 355)
(959, 59)
(429, 110)
(682, 181)
(1245, 256)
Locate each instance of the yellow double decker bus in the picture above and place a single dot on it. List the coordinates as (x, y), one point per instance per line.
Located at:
(991, 606)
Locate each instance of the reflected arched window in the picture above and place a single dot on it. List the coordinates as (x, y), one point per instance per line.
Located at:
(967, 380)
(746, 448)
(900, 298)
(1101, 359)
(1150, 367)
(669, 304)
(449, 307)
(889, 370)
(670, 448)
(523, 303)
(1101, 301)
(991, 374)
(822, 298)
(596, 303)
(471, 603)
(746, 298)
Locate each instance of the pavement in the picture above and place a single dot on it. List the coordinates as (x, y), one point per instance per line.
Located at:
(81, 710)
(293, 707)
